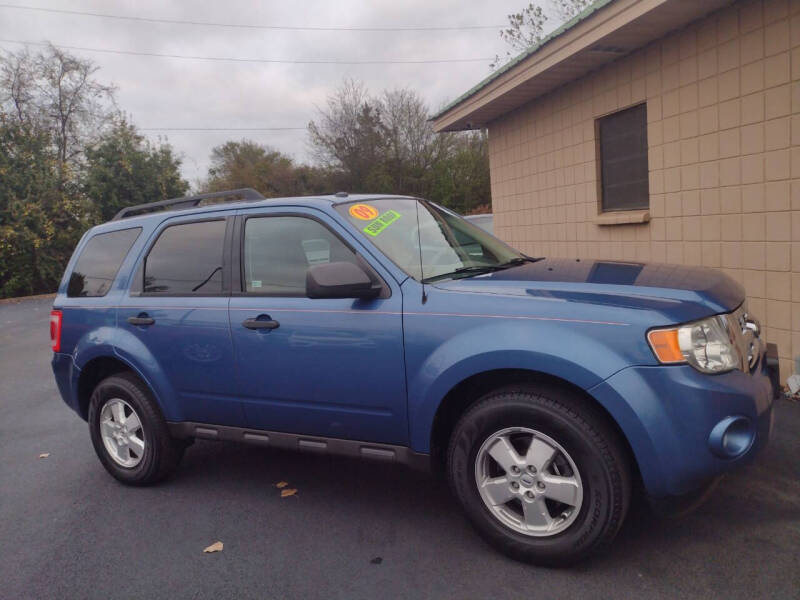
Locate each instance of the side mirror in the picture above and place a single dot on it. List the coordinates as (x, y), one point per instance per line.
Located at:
(339, 280)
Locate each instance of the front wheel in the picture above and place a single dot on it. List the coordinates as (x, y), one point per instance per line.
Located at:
(539, 473)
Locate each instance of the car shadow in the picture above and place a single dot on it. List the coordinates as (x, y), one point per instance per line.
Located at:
(739, 507)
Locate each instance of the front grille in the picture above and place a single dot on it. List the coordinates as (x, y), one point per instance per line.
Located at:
(744, 331)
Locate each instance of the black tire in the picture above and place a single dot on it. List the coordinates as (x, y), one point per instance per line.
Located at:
(161, 453)
(583, 432)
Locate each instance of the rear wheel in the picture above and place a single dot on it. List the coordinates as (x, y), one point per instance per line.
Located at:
(129, 433)
(539, 473)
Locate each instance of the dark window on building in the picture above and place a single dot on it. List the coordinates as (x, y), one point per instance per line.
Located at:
(99, 262)
(279, 250)
(623, 160)
(186, 259)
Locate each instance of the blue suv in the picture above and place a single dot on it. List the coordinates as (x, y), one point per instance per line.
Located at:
(390, 328)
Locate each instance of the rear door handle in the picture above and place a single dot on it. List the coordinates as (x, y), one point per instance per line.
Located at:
(141, 320)
(260, 324)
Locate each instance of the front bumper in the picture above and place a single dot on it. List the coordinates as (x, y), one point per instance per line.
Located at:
(672, 416)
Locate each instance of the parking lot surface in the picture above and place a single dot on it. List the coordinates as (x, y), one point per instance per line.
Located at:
(68, 530)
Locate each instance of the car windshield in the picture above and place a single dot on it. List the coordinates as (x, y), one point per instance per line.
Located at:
(427, 241)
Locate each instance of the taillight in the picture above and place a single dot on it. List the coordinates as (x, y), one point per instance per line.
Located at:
(55, 329)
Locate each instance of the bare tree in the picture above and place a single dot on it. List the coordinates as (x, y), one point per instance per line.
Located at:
(77, 105)
(527, 28)
(334, 135)
(349, 136)
(17, 85)
(386, 143)
(59, 92)
(410, 136)
(566, 9)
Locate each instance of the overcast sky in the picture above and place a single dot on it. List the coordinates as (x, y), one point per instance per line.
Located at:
(173, 92)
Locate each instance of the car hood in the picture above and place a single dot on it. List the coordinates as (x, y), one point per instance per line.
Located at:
(683, 293)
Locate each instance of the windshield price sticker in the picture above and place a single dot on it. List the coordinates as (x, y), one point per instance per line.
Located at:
(382, 222)
(365, 212)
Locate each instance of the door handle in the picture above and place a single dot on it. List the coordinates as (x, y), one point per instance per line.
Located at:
(141, 320)
(260, 324)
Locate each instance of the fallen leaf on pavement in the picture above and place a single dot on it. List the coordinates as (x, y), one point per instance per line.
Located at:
(44, 455)
(215, 547)
(281, 484)
(288, 492)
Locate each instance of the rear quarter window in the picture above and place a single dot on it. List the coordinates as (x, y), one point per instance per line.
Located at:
(99, 262)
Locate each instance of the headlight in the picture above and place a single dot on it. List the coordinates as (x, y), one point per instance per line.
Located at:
(705, 344)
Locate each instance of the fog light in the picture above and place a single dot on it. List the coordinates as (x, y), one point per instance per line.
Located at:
(731, 437)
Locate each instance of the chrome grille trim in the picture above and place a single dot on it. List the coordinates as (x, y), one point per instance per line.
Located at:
(744, 332)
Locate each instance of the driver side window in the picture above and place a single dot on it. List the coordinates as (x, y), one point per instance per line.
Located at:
(279, 250)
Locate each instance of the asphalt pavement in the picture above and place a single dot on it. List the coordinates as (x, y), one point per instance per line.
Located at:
(353, 529)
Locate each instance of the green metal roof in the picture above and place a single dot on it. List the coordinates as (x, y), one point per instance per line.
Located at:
(581, 16)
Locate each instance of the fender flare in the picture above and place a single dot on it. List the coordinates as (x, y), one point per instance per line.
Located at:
(129, 350)
(502, 347)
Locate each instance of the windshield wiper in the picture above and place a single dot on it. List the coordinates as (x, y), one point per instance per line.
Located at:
(206, 280)
(519, 260)
(523, 259)
(471, 270)
(478, 269)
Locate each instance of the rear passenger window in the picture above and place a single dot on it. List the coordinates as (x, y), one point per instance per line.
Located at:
(186, 259)
(279, 250)
(99, 262)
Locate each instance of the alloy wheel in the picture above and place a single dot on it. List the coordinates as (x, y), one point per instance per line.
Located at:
(528, 481)
(122, 433)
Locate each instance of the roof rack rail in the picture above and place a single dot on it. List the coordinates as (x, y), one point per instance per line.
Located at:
(186, 202)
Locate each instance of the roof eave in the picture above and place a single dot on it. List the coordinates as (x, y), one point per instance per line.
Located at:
(569, 53)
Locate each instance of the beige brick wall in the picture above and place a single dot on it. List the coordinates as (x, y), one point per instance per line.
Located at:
(723, 111)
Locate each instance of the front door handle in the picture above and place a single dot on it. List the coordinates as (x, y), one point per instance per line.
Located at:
(141, 320)
(260, 324)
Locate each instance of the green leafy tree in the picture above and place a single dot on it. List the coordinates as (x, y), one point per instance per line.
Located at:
(41, 216)
(460, 180)
(51, 107)
(123, 169)
(67, 160)
(248, 164)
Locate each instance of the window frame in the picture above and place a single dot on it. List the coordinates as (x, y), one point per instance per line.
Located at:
(601, 200)
(119, 266)
(137, 287)
(237, 256)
